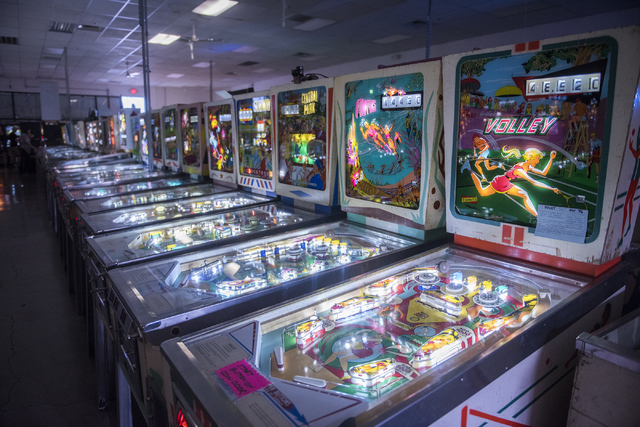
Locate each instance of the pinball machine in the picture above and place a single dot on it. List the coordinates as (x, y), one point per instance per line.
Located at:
(171, 138)
(220, 131)
(110, 134)
(193, 143)
(146, 136)
(80, 135)
(126, 128)
(94, 137)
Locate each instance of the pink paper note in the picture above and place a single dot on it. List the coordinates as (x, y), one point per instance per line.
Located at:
(242, 378)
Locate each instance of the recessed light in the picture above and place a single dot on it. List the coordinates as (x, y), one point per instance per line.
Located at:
(245, 49)
(53, 51)
(164, 39)
(174, 76)
(201, 65)
(314, 24)
(214, 7)
(392, 39)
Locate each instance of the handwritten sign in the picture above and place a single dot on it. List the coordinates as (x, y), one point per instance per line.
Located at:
(242, 378)
(560, 223)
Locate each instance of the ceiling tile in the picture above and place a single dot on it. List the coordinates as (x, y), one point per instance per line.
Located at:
(124, 24)
(9, 10)
(107, 8)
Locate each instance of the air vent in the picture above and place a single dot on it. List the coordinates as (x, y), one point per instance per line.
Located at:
(299, 18)
(62, 27)
(302, 55)
(248, 64)
(419, 22)
(93, 28)
(8, 40)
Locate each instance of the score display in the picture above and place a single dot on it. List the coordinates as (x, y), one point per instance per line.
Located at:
(580, 83)
(404, 101)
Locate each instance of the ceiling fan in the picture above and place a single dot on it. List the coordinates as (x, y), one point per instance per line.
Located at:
(194, 39)
(130, 75)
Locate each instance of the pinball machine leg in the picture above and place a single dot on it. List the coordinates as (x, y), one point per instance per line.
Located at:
(124, 400)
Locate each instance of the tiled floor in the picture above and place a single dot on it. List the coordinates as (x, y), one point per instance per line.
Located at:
(46, 376)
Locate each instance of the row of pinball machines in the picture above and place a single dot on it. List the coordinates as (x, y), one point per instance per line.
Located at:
(539, 147)
(286, 248)
(108, 134)
(109, 222)
(324, 290)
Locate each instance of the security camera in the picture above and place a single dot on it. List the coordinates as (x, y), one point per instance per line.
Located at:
(298, 74)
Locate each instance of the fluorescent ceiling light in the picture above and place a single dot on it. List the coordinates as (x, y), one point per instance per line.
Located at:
(164, 39)
(175, 76)
(314, 24)
(52, 51)
(392, 39)
(245, 49)
(201, 65)
(214, 7)
(224, 94)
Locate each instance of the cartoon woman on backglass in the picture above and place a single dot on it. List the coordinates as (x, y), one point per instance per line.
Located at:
(502, 183)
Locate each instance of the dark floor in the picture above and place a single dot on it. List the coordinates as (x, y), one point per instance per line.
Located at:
(46, 376)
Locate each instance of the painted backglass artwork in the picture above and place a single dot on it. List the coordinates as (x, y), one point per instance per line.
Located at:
(156, 142)
(170, 135)
(220, 136)
(302, 137)
(533, 129)
(140, 144)
(122, 123)
(254, 137)
(134, 123)
(190, 136)
(112, 133)
(154, 133)
(384, 122)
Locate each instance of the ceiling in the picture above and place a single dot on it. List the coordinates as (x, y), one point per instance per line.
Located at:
(259, 38)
